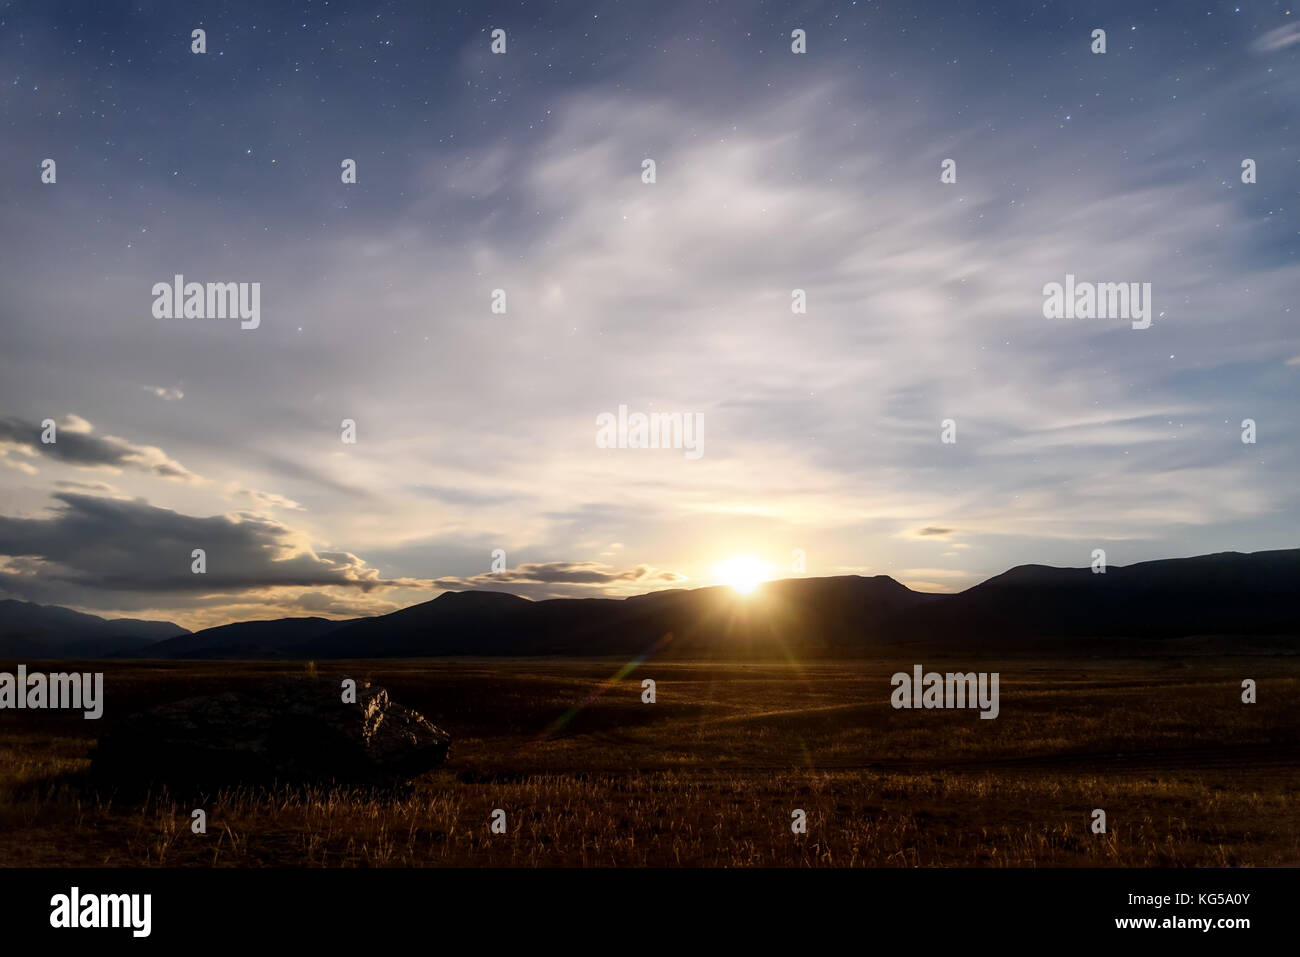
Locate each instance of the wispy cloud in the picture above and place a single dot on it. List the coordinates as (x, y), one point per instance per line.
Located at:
(476, 430)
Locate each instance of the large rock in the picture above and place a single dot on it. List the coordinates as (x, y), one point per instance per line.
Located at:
(283, 731)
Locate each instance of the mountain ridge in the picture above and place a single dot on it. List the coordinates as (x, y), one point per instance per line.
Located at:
(31, 629)
(1223, 593)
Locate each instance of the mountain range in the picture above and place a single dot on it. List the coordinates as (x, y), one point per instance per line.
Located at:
(48, 631)
(1224, 594)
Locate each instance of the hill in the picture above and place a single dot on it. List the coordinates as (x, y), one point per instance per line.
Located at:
(48, 631)
(1227, 594)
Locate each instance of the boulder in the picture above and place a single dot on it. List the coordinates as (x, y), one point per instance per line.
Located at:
(281, 732)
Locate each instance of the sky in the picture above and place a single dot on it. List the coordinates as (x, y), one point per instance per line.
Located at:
(822, 445)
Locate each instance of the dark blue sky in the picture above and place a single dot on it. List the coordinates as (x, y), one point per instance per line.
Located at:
(522, 172)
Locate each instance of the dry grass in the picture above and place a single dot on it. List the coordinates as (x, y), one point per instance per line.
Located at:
(709, 775)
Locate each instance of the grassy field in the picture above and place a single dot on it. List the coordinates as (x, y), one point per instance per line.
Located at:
(710, 773)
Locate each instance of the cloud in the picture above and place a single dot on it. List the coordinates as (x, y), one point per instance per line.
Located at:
(566, 579)
(74, 445)
(267, 500)
(111, 545)
(8, 448)
(929, 587)
(913, 573)
(97, 488)
(463, 496)
(1279, 39)
(166, 394)
(924, 303)
(330, 605)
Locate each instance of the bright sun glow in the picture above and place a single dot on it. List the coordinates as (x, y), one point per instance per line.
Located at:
(742, 573)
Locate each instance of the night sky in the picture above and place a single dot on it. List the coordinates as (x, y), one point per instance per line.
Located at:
(522, 171)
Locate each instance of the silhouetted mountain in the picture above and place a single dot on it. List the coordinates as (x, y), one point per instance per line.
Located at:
(28, 630)
(1227, 594)
(269, 638)
(1223, 594)
(801, 616)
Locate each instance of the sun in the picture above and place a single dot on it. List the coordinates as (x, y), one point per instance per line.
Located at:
(743, 573)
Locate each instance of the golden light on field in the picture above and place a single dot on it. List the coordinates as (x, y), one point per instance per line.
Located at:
(744, 573)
